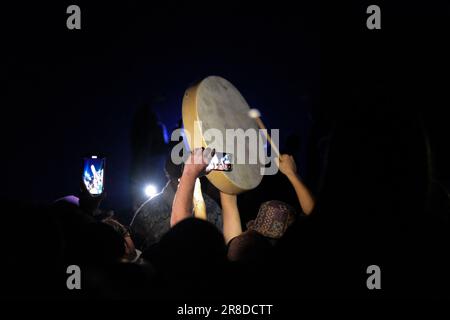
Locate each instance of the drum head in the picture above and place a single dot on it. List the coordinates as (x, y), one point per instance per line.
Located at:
(220, 108)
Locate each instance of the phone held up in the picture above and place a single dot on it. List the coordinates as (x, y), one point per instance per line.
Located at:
(220, 162)
(93, 174)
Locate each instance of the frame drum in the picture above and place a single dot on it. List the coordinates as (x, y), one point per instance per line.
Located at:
(215, 103)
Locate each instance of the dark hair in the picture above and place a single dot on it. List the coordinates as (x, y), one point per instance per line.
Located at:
(249, 247)
(117, 226)
(173, 171)
(193, 240)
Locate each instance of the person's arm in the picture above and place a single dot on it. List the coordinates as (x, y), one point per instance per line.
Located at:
(182, 203)
(231, 218)
(289, 169)
(199, 202)
(87, 202)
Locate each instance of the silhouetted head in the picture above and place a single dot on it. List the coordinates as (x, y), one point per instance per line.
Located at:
(173, 171)
(87, 241)
(120, 229)
(101, 244)
(190, 244)
(249, 247)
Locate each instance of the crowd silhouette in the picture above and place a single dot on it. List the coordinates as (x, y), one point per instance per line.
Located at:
(375, 201)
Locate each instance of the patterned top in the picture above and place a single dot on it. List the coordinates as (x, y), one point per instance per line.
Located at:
(273, 218)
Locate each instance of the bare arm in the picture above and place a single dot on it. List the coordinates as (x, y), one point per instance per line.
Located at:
(231, 218)
(199, 202)
(195, 166)
(305, 197)
(182, 203)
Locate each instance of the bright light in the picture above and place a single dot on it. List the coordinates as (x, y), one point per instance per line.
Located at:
(150, 190)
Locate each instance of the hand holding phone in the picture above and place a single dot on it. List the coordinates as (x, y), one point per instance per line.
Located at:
(220, 162)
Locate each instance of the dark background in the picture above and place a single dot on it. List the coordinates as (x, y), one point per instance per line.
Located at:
(71, 93)
(74, 92)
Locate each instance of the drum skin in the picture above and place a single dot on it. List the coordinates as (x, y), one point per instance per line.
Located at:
(217, 104)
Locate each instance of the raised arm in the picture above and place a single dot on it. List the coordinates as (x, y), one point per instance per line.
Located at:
(199, 202)
(289, 169)
(231, 218)
(194, 167)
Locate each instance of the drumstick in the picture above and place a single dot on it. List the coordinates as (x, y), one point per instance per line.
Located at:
(255, 114)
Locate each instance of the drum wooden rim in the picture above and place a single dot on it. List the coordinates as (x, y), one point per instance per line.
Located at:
(190, 115)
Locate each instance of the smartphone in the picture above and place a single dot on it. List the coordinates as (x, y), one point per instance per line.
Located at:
(220, 162)
(93, 174)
